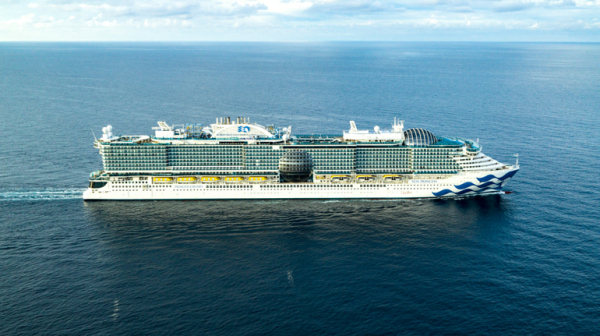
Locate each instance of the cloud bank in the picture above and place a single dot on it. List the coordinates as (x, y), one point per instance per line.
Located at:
(300, 20)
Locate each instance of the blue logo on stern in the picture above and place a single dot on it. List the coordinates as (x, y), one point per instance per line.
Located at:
(243, 129)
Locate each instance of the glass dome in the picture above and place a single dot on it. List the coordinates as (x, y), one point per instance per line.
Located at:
(295, 166)
(419, 137)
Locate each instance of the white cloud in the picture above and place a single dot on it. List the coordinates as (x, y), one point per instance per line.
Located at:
(23, 20)
(76, 7)
(287, 19)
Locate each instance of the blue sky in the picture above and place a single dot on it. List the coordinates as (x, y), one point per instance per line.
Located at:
(300, 20)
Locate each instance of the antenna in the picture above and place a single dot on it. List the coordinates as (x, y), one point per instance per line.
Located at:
(94, 134)
(517, 163)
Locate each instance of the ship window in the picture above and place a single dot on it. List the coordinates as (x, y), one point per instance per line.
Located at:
(97, 185)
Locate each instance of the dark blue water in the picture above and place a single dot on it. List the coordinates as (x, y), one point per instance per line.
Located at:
(525, 263)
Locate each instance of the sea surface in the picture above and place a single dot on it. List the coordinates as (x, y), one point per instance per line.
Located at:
(526, 263)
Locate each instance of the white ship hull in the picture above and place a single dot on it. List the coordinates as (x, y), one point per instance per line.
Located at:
(463, 184)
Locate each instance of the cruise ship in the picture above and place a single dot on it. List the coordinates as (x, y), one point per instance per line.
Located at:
(238, 159)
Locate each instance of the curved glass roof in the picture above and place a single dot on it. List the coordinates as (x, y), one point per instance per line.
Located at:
(419, 137)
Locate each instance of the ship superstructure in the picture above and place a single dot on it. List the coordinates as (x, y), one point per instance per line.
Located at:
(237, 159)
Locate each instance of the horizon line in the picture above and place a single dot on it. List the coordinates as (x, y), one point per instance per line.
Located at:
(296, 41)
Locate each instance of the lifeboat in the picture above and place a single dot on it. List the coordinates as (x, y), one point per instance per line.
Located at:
(340, 178)
(392, 178)
(234, 179)
(210, 179)
(186, 179)
(162, 179)
(257, 178)
(365, 178)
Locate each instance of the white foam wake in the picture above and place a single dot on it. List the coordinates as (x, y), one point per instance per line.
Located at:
(40, 194)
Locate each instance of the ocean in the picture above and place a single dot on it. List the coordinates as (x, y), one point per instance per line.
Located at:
(525, 263)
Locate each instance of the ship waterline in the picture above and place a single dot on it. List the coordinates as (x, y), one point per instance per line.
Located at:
(242, 160)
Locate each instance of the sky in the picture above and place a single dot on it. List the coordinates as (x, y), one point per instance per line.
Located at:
(300, 20)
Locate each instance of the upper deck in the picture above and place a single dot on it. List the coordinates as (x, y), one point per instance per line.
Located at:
(241, 131)
(241, 147)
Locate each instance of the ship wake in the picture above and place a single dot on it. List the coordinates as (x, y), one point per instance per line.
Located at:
(40, 194)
